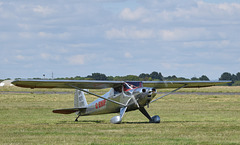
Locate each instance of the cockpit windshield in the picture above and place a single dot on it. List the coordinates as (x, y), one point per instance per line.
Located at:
(131, 85)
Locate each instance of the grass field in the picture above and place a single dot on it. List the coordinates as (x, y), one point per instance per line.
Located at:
(185, 119)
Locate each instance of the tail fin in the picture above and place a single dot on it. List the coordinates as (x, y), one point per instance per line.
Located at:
(79, 99)
(80, 104)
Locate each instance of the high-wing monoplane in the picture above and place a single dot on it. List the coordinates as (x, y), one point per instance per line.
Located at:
(123, 96)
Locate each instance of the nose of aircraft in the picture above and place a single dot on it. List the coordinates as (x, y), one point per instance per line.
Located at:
(148, 90)
(144, 95)
(152, 92)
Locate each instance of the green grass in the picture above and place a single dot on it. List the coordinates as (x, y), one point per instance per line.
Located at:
(185, 119)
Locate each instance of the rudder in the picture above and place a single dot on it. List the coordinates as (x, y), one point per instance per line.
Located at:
(79, 99)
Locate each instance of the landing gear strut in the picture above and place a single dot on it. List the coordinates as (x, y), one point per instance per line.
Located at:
(154, 119)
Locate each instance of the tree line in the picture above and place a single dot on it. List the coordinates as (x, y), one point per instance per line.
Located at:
(235, 78)
(154, 76)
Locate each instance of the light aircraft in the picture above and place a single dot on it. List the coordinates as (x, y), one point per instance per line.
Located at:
(122, 97)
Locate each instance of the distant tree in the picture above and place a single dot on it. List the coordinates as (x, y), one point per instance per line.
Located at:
(171, 78)
(71, 78)
(143, 75)
(226, 76)
(110, 78)
(78, 78)
(204, 78)
(194, 79)
(36, 78)
(87, 78)
(174, 77)
(160, 76)
(234, 77)
(155, 75)
(97, 76)
(182, 79)
(131, 78)
(148, 79)
(238, 76)
(118, 78)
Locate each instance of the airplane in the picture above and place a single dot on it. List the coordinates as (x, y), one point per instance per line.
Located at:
(122, 97)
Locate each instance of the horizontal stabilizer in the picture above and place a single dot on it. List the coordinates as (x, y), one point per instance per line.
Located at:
(68, 110)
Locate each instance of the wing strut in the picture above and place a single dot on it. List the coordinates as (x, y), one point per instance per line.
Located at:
(97, 95)
(168, 93)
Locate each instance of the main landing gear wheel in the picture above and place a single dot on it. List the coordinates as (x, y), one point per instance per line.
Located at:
(155, 119)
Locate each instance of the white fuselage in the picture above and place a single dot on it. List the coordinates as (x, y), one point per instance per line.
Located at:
(143, 96)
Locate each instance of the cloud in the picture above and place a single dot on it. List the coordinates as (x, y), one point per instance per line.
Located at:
(127, 14)
(129, 33)
(128, 55)
(175, 65)
(47, 56)
(84, 45)
(220, 44)
(96, 36)
(77, 59)
(203, 13)
(81, 59)
(43, 10)
(64, 35)
(25, 35)
(20, 57)
(186, 34)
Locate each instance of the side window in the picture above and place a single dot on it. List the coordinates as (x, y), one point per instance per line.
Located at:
(126, 87)
(118, 90)
(131, 85)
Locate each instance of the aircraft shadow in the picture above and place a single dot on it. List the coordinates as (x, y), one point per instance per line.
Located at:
(145, 122)
(82, 122)
(124, 122)
(97, 122)
(165, 122)
(209, 121)
(180, 121)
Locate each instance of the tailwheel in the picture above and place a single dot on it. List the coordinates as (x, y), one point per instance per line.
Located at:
(76, 120)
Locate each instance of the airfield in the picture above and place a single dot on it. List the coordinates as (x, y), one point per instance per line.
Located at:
(194, 116)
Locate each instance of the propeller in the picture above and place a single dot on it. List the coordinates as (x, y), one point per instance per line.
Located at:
(131, 95)
(165, 83)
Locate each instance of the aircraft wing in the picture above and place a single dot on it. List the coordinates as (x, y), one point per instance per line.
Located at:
(83, 84)
(178, 84)
(91, 84)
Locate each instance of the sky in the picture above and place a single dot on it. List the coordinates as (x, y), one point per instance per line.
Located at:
(187, 38)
